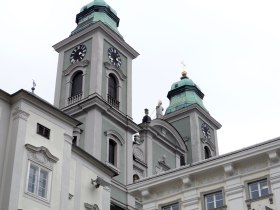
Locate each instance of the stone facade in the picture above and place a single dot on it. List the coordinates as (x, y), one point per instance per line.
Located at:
(86, 152)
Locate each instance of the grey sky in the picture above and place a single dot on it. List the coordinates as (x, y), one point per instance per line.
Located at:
(231, 50)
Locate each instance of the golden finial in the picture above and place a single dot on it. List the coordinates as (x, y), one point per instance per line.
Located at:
(184, 72)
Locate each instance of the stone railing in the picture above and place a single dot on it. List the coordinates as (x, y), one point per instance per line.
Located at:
(75, 98)
(112, 101)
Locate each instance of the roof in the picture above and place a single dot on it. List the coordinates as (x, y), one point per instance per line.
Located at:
(39, 103)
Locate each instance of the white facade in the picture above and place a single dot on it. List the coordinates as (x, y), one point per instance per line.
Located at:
(233, 175)
(41, 170)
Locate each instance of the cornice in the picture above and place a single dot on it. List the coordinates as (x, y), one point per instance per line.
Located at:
(18, 113)
(160, 138)
(209, 164)
(98, 26)
(5, 96)
(43, 105)
(82, 63)
(187, 110)
(96, 101)
(112, 68)
(95, 162)
(171, 129)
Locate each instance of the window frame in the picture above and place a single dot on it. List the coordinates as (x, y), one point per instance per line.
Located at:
(43, 158)
(69, 73)
(247, 188)
(259, 189)
(170, 204)
(119, 142)
(215, 200)
(207, 152)
(44, 130)
(48, 186)
(115, 89)
(75, 74)
(115, 152)
(212, 192)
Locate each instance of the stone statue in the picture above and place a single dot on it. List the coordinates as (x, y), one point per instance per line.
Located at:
(146, 118)
(159, 110)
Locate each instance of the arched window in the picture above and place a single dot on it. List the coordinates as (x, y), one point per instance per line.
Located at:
(112, 87)
(207, 153)
(112, 152)
(113, 91)
(77, 84)
(135, 178)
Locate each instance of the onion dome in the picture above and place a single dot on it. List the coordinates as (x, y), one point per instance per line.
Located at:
(97, 10)
(184, 93)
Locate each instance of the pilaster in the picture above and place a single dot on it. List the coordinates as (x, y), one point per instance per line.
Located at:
(275, 185)
(129, 88)
(234, 194)
(65, 181)
(106, 197)
(93, 133)
(129, 159)
(191, 200)
(149, 206)
(13, 162)
(96, 65)
(149, 153)
(57, 93)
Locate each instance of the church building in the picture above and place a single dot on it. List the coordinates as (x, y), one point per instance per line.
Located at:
(85, 151)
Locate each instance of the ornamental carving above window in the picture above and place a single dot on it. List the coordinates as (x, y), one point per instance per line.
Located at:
(41, 155)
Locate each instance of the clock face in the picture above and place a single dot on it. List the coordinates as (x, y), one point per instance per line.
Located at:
(78, 53)
(114, 57)
(206, 131)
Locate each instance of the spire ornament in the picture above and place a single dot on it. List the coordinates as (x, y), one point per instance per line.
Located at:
(184, 72)
(33, 87)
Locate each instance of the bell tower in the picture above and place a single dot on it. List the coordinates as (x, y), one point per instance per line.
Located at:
(187, 113)
(94, 85)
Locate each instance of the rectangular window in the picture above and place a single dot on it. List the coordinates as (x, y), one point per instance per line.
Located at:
(174, 206)
(38, 181)
(258, 189)
(43, 131)
(112, 152)
(214, 200)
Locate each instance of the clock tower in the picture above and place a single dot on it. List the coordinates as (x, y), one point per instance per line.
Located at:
(187, 113)
(94, 85)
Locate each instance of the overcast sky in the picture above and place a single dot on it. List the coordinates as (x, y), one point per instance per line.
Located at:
(231, 50)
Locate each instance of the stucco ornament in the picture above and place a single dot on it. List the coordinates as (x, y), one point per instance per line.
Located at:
(41, 155)
(162, 165)
(138, 140)
(138, 153)
(92, 207)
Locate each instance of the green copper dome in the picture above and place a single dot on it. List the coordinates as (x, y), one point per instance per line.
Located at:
(184, 93)
(98, 3)
(97, 10)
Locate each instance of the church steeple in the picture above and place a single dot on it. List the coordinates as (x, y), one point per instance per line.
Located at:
(184, 93)
(187, 113)
(97, 10)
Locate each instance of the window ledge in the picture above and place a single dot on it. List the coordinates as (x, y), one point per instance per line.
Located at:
(221, 208)
(269, 196)
(115, 168)
(37, 198)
